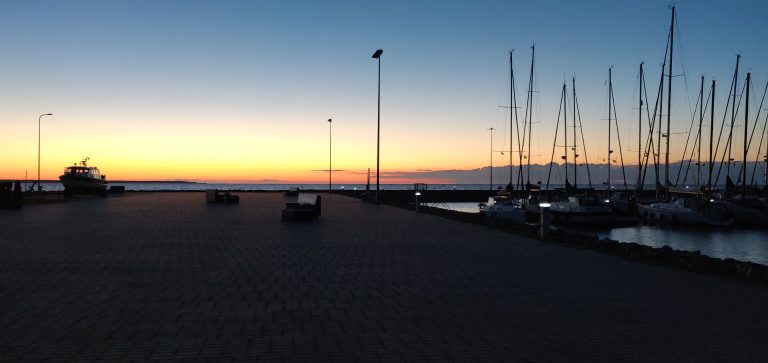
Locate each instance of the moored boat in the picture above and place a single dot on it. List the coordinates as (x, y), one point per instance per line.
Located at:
(583, 209)
(503, 207)
(688, 211)
(83, 179)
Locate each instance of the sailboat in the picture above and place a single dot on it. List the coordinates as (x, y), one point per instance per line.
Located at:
(505, 206)
(582, 209)
(748, 208)
(688, 210)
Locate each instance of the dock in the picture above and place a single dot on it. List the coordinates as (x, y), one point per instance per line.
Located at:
(160, 276)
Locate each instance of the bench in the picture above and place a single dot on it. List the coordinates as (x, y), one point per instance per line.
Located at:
(10, 195)
(213, 196)
(306, 206)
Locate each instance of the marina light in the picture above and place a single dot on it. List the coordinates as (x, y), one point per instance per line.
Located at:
(543, 205)
(39, 186)
(377, 55)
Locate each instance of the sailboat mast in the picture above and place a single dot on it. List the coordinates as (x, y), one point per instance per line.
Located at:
(610, 90)
(639, 185)
(746, 132)
(701, 121)
(733, 115)
(513, 96)
(565, 132)
(530, 113)
(511, 113)
(575, 154)
(490, 183)
(711, 135)
(669, 103)
(658, 143)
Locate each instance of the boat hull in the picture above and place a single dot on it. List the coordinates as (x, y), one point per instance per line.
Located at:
(83, 186)
(748, 216)
(510, 213)
(590, 218)
(667, 213)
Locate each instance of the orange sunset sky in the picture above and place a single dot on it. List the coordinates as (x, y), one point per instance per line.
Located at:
(241, 91)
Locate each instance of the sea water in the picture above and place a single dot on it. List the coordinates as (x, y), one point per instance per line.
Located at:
(737, 243)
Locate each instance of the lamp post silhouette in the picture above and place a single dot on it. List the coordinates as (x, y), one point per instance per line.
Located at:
(39, 186)
(377, 55)
(490, 185)
(330, 155)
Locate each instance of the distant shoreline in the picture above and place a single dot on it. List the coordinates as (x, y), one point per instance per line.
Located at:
(113, 181)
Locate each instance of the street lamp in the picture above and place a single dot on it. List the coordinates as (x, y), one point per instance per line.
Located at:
(39, 186)
(490, 185)
(377, 55)
(330, 150)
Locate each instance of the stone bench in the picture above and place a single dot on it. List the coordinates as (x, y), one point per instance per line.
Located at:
(213, 196)
(306, 206)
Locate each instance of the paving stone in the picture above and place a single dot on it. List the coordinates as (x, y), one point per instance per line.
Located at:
(159, 276)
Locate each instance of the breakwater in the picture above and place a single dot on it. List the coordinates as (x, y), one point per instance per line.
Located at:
(731, 269)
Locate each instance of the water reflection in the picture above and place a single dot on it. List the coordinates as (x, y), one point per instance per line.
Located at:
(739, 244)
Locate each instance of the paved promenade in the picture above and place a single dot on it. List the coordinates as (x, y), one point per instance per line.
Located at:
(160, 276)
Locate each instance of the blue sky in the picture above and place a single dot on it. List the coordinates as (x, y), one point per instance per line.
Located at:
(277, 68)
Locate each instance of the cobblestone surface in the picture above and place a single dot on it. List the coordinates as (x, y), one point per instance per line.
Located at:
(160, 276)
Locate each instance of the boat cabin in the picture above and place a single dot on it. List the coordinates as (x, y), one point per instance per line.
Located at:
(87, 172)
(585, 200)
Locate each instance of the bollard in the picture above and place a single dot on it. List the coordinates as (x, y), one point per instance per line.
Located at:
(544, 220)
(417, 194)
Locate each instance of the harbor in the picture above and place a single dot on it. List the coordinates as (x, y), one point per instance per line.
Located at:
(383, 182)
(168, 276)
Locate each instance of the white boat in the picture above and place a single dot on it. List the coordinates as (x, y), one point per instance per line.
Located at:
(505, 208)
(584, 209)
(83, 179)
(688, 211)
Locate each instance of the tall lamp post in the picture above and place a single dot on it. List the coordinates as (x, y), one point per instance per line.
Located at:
(39, 186)
(490, 185)
(330, 159)
(377, 55)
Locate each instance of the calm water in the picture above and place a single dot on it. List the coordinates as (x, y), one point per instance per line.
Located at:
(171, 186)
(186, 186)
(739, 244)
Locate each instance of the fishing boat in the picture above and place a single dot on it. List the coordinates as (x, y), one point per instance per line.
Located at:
(583, 209)
(83, 179)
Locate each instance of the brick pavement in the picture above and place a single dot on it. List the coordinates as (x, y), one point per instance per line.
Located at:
(158, 276)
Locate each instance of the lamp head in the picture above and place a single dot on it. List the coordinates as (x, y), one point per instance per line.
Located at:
(377, 54)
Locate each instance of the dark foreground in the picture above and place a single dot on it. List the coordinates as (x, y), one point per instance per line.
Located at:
(166, 276)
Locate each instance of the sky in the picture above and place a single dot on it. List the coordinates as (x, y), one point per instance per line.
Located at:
(241, 91)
